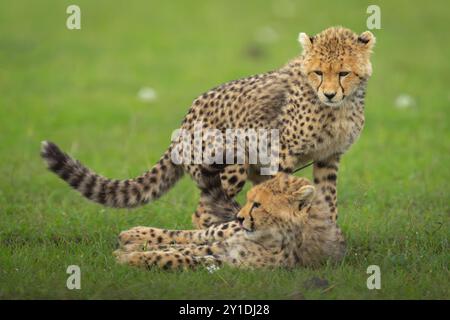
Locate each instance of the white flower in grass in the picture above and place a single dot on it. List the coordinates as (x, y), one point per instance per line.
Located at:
(266, 35)
(147, 94)
(212, 268)
(284, 8)
(404, 101)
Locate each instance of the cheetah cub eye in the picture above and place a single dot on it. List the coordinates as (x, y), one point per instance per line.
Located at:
(344, 73)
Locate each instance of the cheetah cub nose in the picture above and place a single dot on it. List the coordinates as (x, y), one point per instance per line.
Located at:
(330, 95)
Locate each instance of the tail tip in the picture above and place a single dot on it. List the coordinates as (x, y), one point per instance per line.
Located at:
(46, 148)
(51, 152)
(44, 145)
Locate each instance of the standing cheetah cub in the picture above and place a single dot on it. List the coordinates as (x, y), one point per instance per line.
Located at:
(315, 102)
(284, 223)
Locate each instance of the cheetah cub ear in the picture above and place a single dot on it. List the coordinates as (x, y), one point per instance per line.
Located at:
(367, 39)
(305, 195)
(305, 40)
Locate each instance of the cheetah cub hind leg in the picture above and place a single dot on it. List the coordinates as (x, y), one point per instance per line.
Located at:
(167, 260)
(153, 236)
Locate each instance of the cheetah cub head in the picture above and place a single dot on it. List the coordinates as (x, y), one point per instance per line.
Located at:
(336, 62)
(281, 201)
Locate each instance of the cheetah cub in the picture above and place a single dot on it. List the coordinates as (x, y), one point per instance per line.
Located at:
(315, 102)
(284, 223)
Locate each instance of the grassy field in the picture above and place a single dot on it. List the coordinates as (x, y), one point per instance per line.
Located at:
(79, 89)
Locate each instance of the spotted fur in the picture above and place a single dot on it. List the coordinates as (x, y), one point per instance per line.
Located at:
(316, 101)
(283, 224)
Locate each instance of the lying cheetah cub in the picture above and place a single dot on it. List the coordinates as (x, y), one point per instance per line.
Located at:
(284, 223)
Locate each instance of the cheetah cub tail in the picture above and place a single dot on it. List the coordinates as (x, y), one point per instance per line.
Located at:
(113, 193)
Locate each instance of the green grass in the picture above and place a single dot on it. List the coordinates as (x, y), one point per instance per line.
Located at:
(79, 89)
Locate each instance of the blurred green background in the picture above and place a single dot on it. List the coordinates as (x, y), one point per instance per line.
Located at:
(80, 89)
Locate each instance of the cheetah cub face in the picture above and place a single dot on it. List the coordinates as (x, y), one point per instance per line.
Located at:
(336, 62)
(282, 201)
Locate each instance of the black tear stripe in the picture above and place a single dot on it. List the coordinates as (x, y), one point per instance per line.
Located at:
(342, 88)
(321, 81)
(252, 220)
